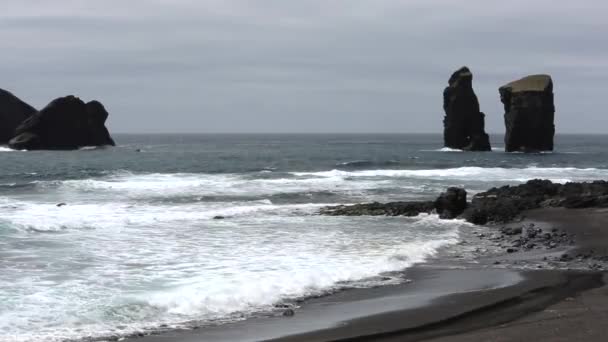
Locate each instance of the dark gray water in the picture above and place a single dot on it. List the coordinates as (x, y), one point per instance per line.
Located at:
(136, 246)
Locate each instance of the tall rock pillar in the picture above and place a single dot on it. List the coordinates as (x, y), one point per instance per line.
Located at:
(463, 124)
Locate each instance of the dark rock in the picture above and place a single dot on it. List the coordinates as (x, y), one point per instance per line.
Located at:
(464, 124)
(530, 233)
(66, 123)
(13, 112)
(505, 203)
(289, 313)
(511, 250)
(380, 209)
(529, 114)
(497, 205)
(451, 203)
(511, 230)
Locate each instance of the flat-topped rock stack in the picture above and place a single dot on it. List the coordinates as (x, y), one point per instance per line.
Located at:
(529, 114)
(464, 124)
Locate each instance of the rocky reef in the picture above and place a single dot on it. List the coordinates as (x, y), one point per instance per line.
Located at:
(64, 124)
(464, 124)
(505, 203)
(449, 204)
(529, 114)
(497, 205)
(13, 112)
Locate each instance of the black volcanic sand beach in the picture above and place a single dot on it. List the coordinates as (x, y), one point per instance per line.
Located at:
(513, 295)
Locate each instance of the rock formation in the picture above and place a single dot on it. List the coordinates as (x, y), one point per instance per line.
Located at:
(64, 124)
(13, 112)
(451, 203)
(496, 205)
(464, 124)
(529, 114)
(505, 203)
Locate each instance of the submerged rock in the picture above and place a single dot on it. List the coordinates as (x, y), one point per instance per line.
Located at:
(13, 112)
(66, 123)
(463, 124)
(529, 114)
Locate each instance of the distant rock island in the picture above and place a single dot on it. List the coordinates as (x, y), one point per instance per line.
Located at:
(66, 123)
(529, 114)
(13, 112)
(464, 123)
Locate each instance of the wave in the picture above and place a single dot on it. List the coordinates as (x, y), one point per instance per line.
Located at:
(327, 270)
(444, 149)
(205, 274)
(366, 163)
(49, 217)
(560, 175)
(285, 188)
(7, 149)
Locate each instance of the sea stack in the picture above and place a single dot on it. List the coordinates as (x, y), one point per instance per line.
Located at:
(463, 124)
(13, 112)
(529, 114)
(66, 123)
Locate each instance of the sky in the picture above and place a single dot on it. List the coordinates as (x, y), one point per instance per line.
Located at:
(343, 66)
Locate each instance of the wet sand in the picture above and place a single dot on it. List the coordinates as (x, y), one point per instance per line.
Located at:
(482, 302)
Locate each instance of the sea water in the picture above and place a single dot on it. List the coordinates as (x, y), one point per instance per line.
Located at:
(173, 231)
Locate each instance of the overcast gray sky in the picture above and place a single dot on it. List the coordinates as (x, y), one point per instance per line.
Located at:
(302, 65)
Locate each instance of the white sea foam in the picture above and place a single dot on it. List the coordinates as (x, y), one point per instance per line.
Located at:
(112, 261)
(137, 270)
(492, 174)
(444, 149)
(352, 183)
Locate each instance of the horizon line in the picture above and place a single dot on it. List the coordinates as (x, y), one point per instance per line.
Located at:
(333, 133)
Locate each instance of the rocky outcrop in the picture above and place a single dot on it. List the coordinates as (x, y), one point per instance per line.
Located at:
(529, 114)
(463, 124)
(497, 205)
(64, 124)
(380, 209)
(505, 203)
(13, 112)
(449, 204)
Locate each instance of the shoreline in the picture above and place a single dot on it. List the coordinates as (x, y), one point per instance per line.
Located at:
(444, 298)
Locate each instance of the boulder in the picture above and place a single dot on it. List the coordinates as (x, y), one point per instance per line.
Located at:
(451, 203)
(529, 114)
(463, 124)
(13, 112)
(64, 124)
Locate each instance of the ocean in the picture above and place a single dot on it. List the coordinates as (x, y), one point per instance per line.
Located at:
(176, 231)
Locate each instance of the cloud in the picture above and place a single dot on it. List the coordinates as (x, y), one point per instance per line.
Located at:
(295, 66)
